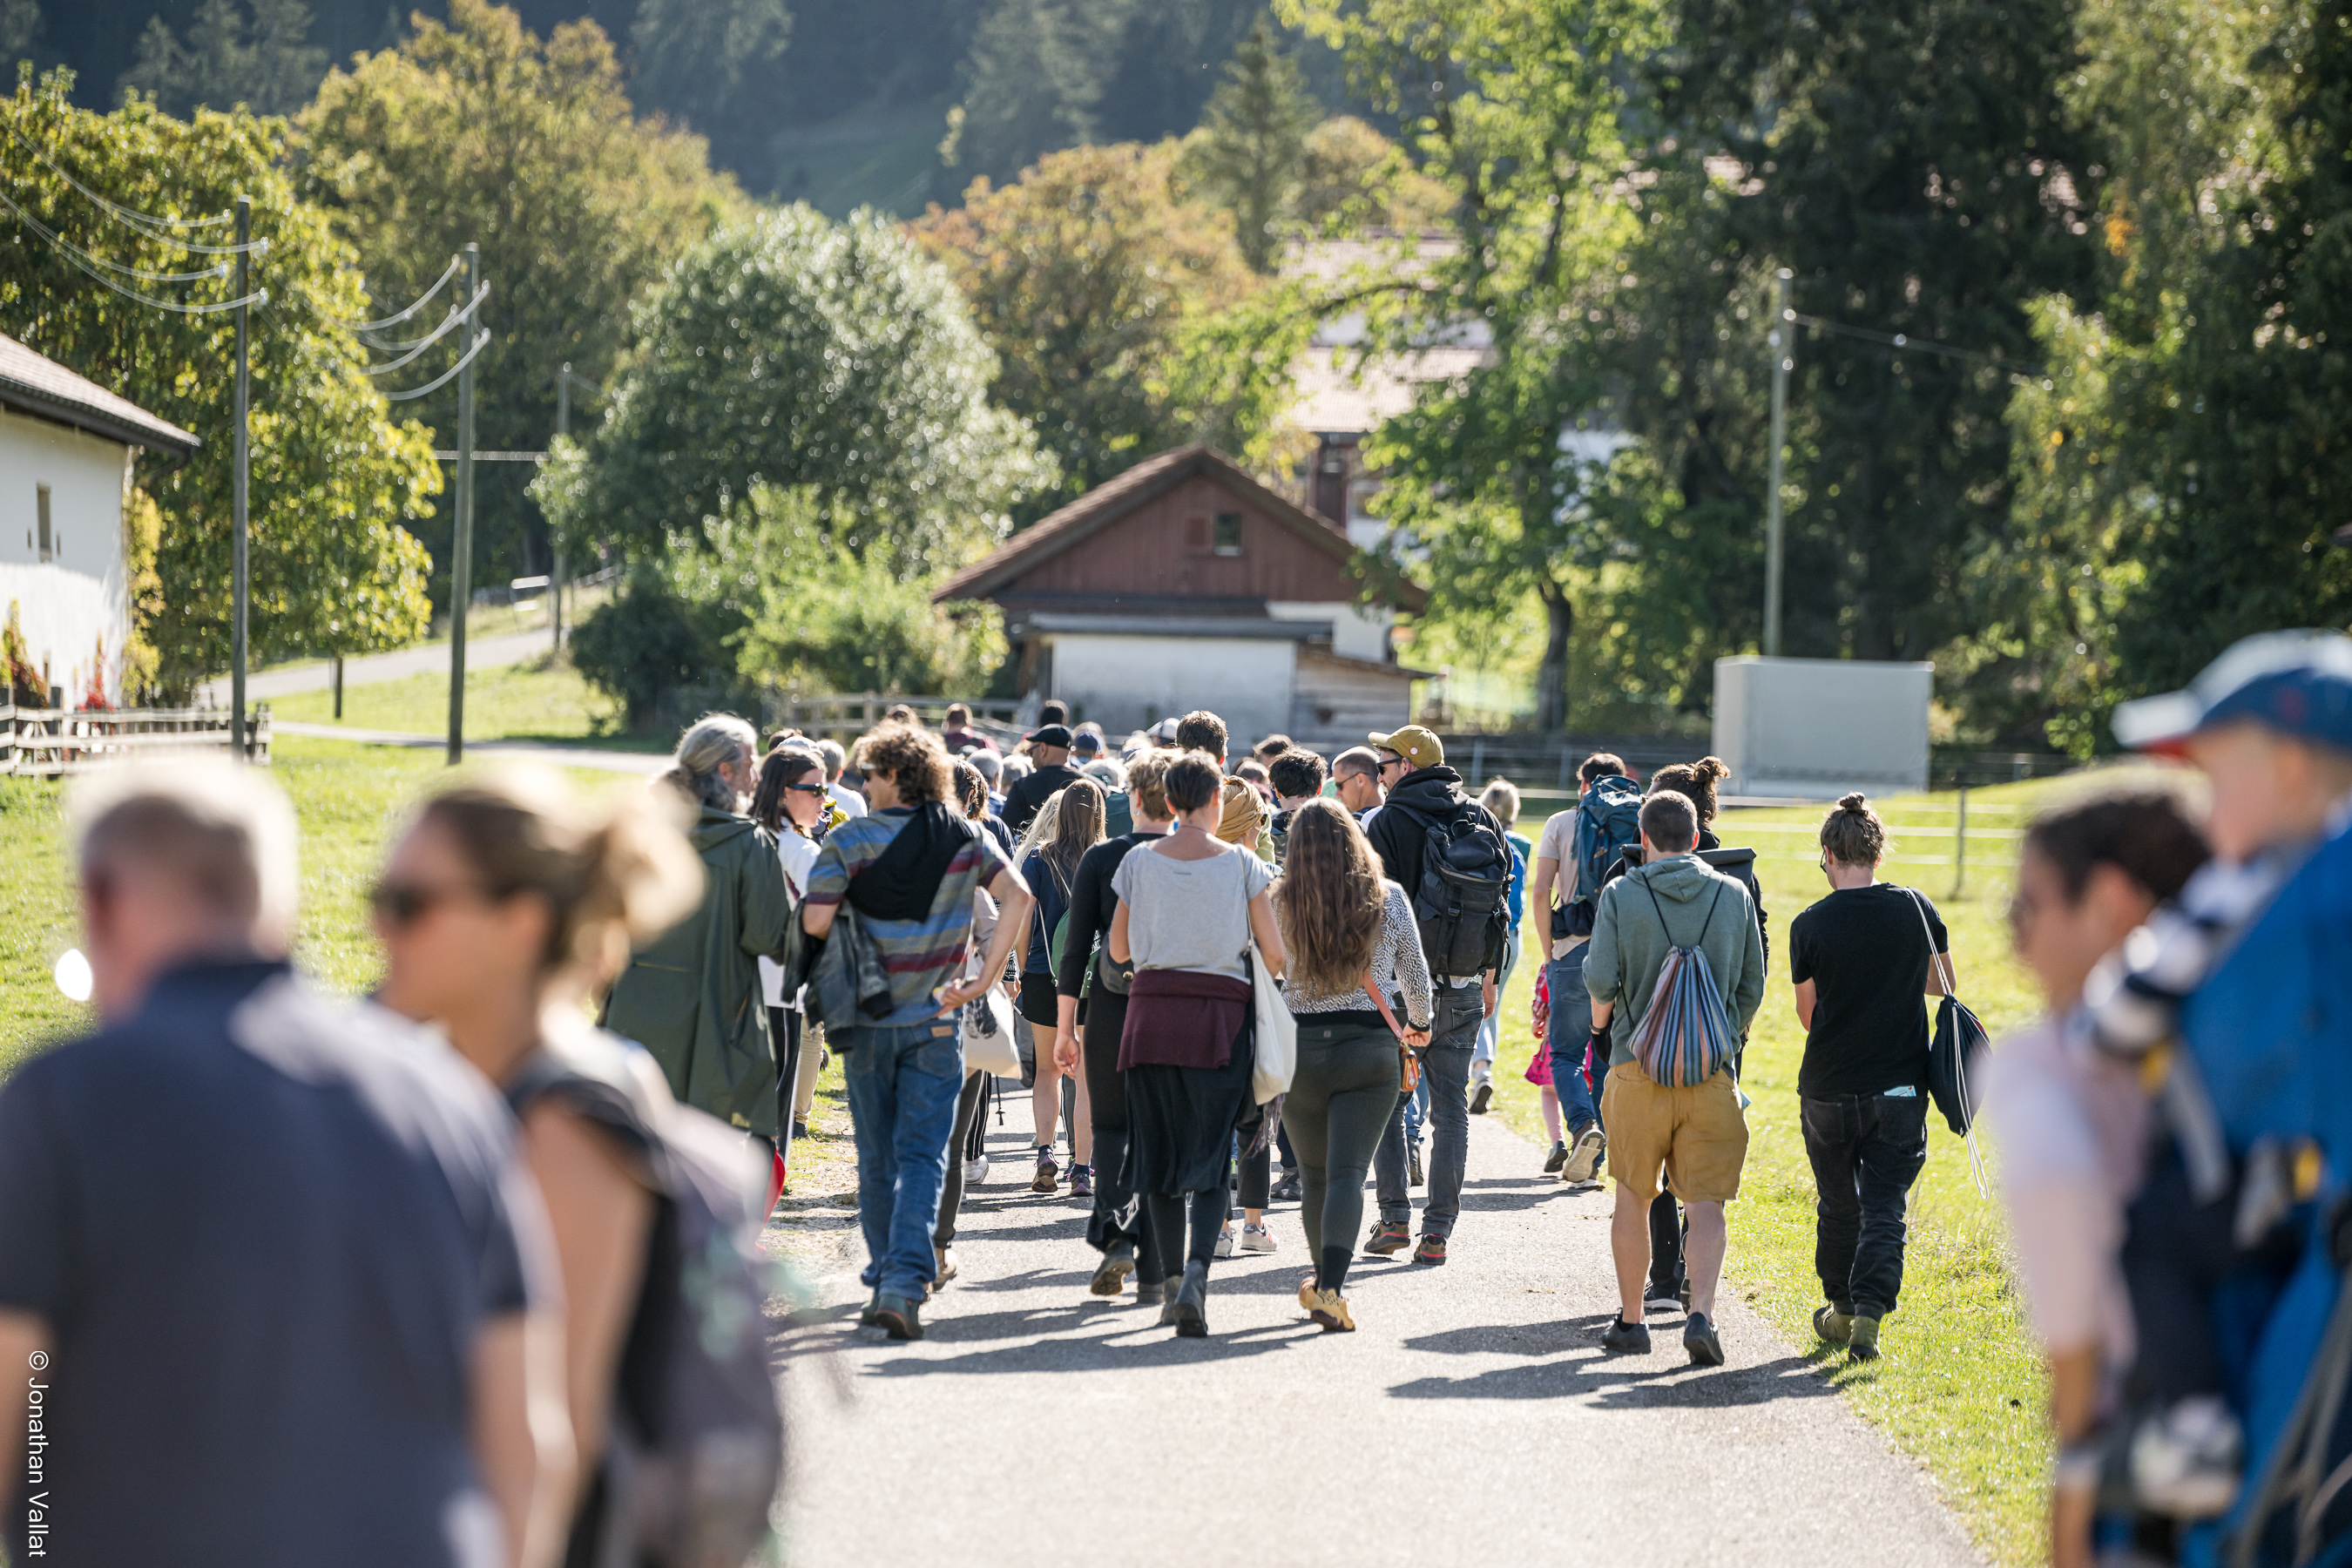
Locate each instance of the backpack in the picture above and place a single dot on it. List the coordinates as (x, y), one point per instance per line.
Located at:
(1461, 906)
(1686, 1035)
(696, 1446)
(1608, 825)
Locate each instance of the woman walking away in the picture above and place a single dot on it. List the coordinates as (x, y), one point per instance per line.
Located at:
(505, 903)
(1501, 797)
(1351, 942)
(965, 1165)
(1862, 959)
(793, 804)
(1242, 819)
(1093, 995)
(1069, 823)
(693, 996)
(1188, 906)
(2073, 1120)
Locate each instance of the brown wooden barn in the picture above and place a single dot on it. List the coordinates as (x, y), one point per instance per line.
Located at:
(1183, 584)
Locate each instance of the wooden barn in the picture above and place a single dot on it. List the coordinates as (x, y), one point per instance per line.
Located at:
(1183, 584)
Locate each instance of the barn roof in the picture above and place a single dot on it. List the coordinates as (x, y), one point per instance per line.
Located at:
(32, 384)
(1115, 497)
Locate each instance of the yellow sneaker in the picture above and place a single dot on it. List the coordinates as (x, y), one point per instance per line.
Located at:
(1329, 1309)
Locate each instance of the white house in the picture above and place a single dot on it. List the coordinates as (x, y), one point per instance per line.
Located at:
(66, 448)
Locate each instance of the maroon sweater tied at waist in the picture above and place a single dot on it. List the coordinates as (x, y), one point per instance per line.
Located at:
(1181, 1018)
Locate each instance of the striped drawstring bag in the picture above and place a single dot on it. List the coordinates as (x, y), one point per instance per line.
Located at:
(1686, 1035)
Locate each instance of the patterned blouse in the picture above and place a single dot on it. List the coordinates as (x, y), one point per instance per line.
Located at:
(1397, 965)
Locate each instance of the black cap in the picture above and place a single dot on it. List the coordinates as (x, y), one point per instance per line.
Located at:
(1051, 735)
(1086, 743)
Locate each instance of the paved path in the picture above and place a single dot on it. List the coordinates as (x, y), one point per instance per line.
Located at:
(367, 669)
(1471, 1420)
(644, 763)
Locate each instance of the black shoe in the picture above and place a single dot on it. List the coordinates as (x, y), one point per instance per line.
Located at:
(1698, 1338)
(1150, 1292)
(870, 1314)
(898, 1317)
(1412, 1167)
(1288, 1190)
(1626, 1339)
(1192, 1304)
(1479, 1096)
(1110, 1277)
(1556, 1159)
(800, 1130)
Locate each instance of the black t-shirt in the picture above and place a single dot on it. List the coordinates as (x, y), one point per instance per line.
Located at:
(265, 1228)
(1866, 951)
(1028, 796)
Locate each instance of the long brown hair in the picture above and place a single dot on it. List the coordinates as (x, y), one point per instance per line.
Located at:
(1329, 900)
(784, 766)
(1077, 827)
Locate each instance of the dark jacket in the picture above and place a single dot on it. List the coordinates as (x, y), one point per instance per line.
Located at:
(1028, 796)
(1739, 865)
(1398, 835)
(1092, 904)
(847, 986)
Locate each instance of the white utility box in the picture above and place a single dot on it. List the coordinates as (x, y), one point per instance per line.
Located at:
(1815, 727)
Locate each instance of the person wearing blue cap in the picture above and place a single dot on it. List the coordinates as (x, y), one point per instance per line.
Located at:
(2235, 1001)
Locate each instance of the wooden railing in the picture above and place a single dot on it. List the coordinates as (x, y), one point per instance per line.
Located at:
(847, 716)
(44, 743)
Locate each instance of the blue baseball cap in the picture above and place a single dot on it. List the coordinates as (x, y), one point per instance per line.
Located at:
(2297, 683)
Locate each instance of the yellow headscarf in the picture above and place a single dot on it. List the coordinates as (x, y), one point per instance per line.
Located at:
(1244, 814)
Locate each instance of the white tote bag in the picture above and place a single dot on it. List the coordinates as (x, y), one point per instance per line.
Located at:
(1277, 1032)
(988, 1039)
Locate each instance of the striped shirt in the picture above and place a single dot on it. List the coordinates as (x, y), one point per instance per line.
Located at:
(921, 955)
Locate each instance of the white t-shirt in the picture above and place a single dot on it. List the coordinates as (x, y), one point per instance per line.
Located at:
(848, 799)
(1558, 843)
(797, 850)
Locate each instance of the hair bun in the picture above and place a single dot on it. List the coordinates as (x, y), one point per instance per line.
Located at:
(1856, 801)
(1711, 768)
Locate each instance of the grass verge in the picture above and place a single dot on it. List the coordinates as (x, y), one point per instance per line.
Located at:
(545, 700)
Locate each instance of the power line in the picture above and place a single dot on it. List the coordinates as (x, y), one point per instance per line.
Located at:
(133, 218)
(1905, 342)
(442, 380)
(392, 321)
(91, 264)
(436, 334)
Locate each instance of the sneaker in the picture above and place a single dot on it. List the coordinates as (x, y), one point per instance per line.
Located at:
(1110, 1275)
(1329, 1309)
(1082, 1181)
(1412, 1167)
(975, 1171)
(1480, 1097)
(1661, 1298)
(1556, 1159)
(1190, 1310)
(1225, 1247)
(1584, 1160)
(800, 1130)
(1047, 1176)
(898, 1317)
(1698, 1338)
(1256, 1239)
(1861, 1338)
(1834, 1327)
(944, 1266)
(1307, 1292)
(1389, 1235)
(1287, 1189)
(1431, 1251)
(2186, 1461)
(1626, 1339)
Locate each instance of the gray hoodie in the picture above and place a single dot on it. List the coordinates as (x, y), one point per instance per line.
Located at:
(1629, 941)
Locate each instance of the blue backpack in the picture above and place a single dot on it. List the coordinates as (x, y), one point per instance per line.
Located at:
(1608, 824)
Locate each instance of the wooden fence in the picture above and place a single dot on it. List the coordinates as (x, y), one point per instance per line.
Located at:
(46, 743)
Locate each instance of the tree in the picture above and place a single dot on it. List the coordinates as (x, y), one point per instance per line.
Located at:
(1104, 296)
(713, 66)
(1351, 177)
(1249, 153)
(334, 477)
(263, 61)
(1034, 81)
(789, 350)
(479, 132)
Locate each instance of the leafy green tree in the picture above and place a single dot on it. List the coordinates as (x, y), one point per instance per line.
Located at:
(790, 351)
(1351, 177)
(335, 478)
(479, 131)
(261, 59)
(1249, 153)
(1034, 80)
(713, 65)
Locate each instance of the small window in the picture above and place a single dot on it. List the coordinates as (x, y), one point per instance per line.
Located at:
(1229, 533)
(48, 540)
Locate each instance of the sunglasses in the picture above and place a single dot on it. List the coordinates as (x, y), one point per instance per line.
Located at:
(400, 905)
(806, 789)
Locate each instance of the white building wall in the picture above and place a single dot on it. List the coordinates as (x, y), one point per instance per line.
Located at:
(1357, 631)
(1126, 682)
(79, 598)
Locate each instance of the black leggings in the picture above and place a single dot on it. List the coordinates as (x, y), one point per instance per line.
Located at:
(1340, 1102)
(1117, 1216)
(968, 1106)
(1168, 1216)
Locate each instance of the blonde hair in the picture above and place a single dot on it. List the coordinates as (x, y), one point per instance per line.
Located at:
(1077, 825)
(614, 874)
(1328, 902)
(1244, 813)
(1147, 785)
(712, 741)
(223, 833)
(1501, 797)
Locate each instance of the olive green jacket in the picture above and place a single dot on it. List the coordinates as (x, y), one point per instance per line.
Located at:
(692, 996)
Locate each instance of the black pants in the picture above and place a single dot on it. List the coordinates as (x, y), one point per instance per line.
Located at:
(1168, 1213)
(1117, 1216)
(1256, 1172)
(969, 1108)
(1289, 1156)
(784, 1028)
(1866, 1151)
(1667, 1227)
(1339, 1105)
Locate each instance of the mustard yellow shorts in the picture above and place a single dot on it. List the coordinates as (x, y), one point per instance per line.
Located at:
(1697, 1135)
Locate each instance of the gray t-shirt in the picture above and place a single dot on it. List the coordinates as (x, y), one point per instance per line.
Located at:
(1191, 915)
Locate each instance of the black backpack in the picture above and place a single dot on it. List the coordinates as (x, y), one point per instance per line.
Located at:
(694, 1450)
(1461, 906)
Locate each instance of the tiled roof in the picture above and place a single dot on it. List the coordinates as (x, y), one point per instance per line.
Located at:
(33, 384)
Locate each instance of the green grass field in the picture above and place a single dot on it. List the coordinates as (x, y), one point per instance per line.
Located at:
(542, 701)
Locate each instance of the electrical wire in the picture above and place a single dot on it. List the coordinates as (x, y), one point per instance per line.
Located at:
(218, 269)
(91, 264)
(1907, 344)
(437, 382)
(455, 263)
(133, 218)
(436, 334)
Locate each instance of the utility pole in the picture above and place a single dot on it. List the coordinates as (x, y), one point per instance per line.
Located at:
(461, 546)
(555, 542)
(1783, 339)
(240, 569)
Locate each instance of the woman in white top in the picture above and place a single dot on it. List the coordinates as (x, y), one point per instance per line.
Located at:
(1189, 908)
(791, 803)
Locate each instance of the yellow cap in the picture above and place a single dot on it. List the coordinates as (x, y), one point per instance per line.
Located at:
(1414, 744)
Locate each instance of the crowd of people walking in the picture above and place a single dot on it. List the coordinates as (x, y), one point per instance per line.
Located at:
(1208, 968)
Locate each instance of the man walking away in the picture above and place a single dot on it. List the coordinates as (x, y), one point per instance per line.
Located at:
(836, 761)
(1501, 797)
(1356, 782)
(1603, 824)
(1463, 912)
(959, 738)
(1698, 1135)
(908, 872)
(1049, 751)
(1297, 777)
(329, 1352)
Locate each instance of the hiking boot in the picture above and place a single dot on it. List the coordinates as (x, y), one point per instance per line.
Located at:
(1330, 1309)
(944, 1265)
(1191, 1307)
(800, 1130)
(1412, 1167)
(1481, 1096)
(1861, 1338)
(1286, 1190)
(1389, 1235)
(1110, 1275)
(1082, 1181)
(870, 1315)
(898, 1316)
(1047, 1177)
(1431, 1251)
(1700, 1340)
(1149, 1293)
(1256, 1239)
(1834, 1326)
(1626, 1339)
(1556, 1159)
(1584, 1158)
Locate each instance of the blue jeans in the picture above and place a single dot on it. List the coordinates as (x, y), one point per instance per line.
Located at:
(1490, 1032)
(1571, 1026)
(903, 1084)
(1445, 1074)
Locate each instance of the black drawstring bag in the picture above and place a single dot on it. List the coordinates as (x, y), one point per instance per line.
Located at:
(1960, 1047)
